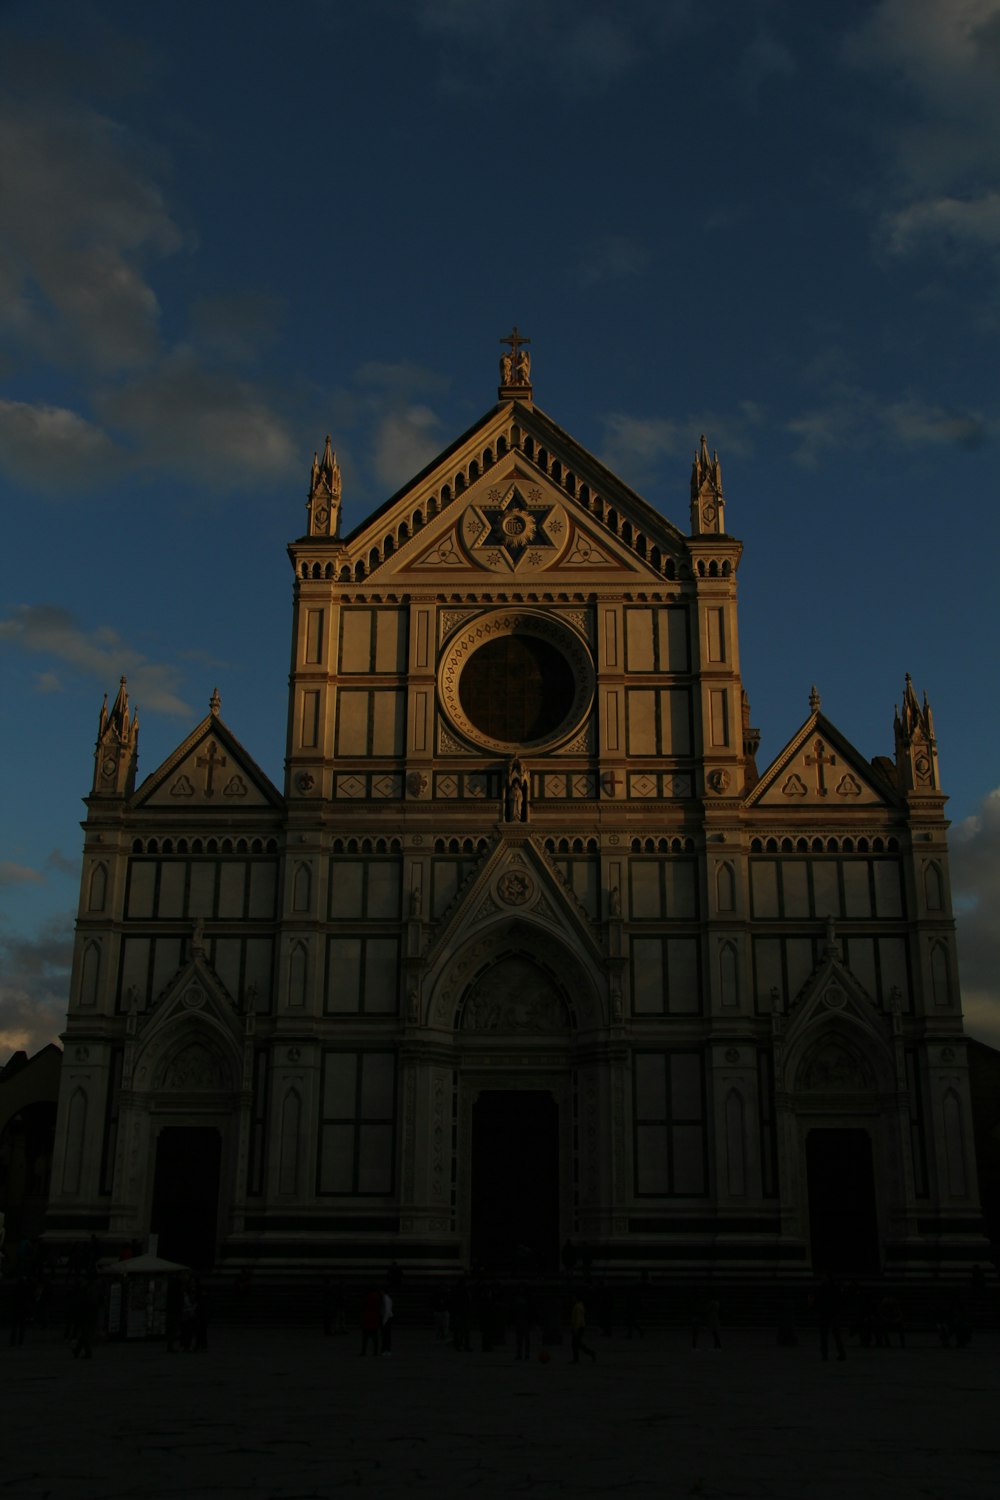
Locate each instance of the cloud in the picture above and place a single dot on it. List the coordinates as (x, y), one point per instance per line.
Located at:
(763, 62)
(204, 423)
(916, 424)
(405, 440)
(49, 630)
(612, 257)
(635, 446)
(938, 67)
(80, 214)
(49, 447)
(11, 874)
(975, 872)
(956, 226)
(34, 990)
(850, 417)
(236, 326)
(579, 46)
(403, 378)
(56, 860)
(48, 682)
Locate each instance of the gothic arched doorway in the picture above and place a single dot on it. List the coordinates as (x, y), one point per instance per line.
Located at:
(185, 1209)
(514, 1219)
(843, 1216)
(516, 1134)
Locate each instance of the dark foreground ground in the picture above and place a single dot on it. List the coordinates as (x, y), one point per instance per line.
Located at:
(288, 1413)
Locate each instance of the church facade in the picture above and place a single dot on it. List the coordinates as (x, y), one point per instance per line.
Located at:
(526, 947)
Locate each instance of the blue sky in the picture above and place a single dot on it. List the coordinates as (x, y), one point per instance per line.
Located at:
(227, 229)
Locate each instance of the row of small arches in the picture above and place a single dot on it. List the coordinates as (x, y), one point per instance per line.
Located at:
(460, 846)
(714, 569)
(204, 846)
(464, 477)
(663, 846)
(572, 846)
(825, 845)
(367, 846)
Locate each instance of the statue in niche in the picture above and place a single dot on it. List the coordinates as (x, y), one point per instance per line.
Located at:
(516, 792)
(522, 367)
(506, 369)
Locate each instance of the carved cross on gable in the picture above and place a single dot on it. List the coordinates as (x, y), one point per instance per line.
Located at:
(210, 760)
(821, 760)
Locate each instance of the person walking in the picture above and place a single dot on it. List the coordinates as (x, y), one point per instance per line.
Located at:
(828, 1309)
(371, 1320)
(386, 1316)
(707, 1316)
(578, 1327)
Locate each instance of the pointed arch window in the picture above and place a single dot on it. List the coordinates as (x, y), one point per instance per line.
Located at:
(298, 974)
(76, 1129)
(98, 891)
(90, 974)
(302, 888)
(729, 975)
(940, 975)
(934, 887)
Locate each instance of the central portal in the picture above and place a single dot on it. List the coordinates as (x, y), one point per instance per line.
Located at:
(515, 1182)
(843, 1219)
(186, 1194)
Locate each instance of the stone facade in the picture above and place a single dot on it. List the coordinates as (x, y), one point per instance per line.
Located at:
(526, 948)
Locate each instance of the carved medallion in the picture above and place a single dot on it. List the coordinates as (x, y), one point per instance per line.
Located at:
(515, 888)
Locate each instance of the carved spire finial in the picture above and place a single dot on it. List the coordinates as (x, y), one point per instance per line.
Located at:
(814, 700)
(916, 747)
(116, 753)
(324, 493)
(707, 502)
(215, 703)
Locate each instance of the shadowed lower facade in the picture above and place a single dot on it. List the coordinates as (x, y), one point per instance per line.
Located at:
(525, 947)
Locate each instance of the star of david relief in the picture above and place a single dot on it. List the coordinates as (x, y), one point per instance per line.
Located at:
(513, 528)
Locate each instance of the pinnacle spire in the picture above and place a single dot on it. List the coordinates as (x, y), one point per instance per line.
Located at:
(116, 752)
(814, 700)
(324, 493)
(707, 501)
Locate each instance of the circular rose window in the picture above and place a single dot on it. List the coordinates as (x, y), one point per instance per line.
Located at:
(516, 679)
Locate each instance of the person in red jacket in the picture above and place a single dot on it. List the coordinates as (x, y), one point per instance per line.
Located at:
(371, 1321)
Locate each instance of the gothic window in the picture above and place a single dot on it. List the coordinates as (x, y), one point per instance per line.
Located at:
(362, 974)
(669, 1124)
(766, 1124)
(729, 975)
(725, 888)
(302, 888)
(665, 976)
(76, 1127)
(940, 975)
(290, 1144)
(98, 888)
(735, 1145)
(369, 889)
(918, 1131)
(298, 974)
(111, 1108)
(953, 1130)
(90, 973)
(934, 888)
(358, 1123)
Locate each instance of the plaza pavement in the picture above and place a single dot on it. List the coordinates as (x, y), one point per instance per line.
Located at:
(289, 1414)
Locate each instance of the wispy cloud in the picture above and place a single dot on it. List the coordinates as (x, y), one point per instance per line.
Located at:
(80, 216)
(612, 257)
(941, 59)
(405, 440)
(102, 654)
(201, 422)
(765, 61)
(579, 46)
(34, 989)
(12, 874)
(50, 447)
(635, 447)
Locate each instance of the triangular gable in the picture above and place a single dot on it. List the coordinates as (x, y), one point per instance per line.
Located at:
(515, 881)
(192, 1028)
(513, 524)
(836, 1040)
(441, 519)
(210, 770)
(819, 768)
